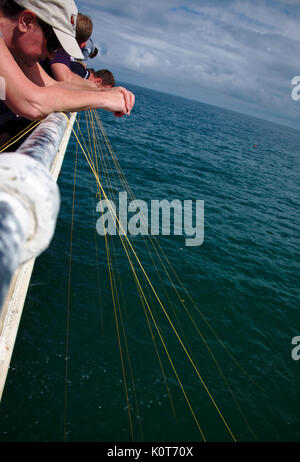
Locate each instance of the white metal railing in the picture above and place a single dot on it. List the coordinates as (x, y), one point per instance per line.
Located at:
(29, 198)
(29, 205)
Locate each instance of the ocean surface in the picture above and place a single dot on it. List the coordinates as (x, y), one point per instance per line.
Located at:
(201, 347)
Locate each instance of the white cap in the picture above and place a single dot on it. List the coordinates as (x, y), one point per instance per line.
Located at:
(62, 16)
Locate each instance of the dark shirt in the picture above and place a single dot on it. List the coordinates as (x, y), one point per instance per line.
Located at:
(79, 69)
(10, 125)
(61, 57)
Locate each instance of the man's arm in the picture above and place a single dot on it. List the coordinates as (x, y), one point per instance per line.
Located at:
(60, 67)
(39, 76)
(63, 73)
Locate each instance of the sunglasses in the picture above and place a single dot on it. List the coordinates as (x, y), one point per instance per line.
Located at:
(53, 44)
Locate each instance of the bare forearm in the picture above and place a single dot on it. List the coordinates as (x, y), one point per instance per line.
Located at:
(63, 73)
(74, 86)
(68, 98)
(77, 80)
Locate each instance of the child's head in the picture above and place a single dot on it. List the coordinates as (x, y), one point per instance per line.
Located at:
(103, 78)
(84, 28)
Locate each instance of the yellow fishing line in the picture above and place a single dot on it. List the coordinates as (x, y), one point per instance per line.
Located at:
(151, 333)
(108, 178)
(19, 135)
(69, 302)
(174, 272)
(116, 298)
(158, 299)
(202, 337)
(166, 350)
(157, 328)
(119, 339)
(98, 149)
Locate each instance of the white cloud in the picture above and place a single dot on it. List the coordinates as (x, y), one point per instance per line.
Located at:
(243, 50)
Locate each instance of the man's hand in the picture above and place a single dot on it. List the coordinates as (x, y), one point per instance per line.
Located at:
(128, 100)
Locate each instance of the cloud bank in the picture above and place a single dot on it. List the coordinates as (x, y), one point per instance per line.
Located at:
(237, 54)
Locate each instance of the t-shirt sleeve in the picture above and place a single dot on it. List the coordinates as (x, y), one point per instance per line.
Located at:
(61, 57)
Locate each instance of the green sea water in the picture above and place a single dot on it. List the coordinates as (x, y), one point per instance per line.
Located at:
(120, 382)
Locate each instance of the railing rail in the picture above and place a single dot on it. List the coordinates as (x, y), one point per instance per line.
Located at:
(29, 206)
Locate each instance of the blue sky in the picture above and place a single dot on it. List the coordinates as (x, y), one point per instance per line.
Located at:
(236, 54)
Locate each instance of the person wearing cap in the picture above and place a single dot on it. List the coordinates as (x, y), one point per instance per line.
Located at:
(29, 31)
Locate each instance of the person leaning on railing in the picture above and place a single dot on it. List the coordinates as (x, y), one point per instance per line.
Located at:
(102, 78)
(30, 31)
(59, 67)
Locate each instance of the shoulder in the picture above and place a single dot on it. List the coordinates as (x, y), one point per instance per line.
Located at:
(62, 57)
(79, 69)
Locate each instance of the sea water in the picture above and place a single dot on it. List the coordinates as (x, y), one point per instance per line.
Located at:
(244, 280)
